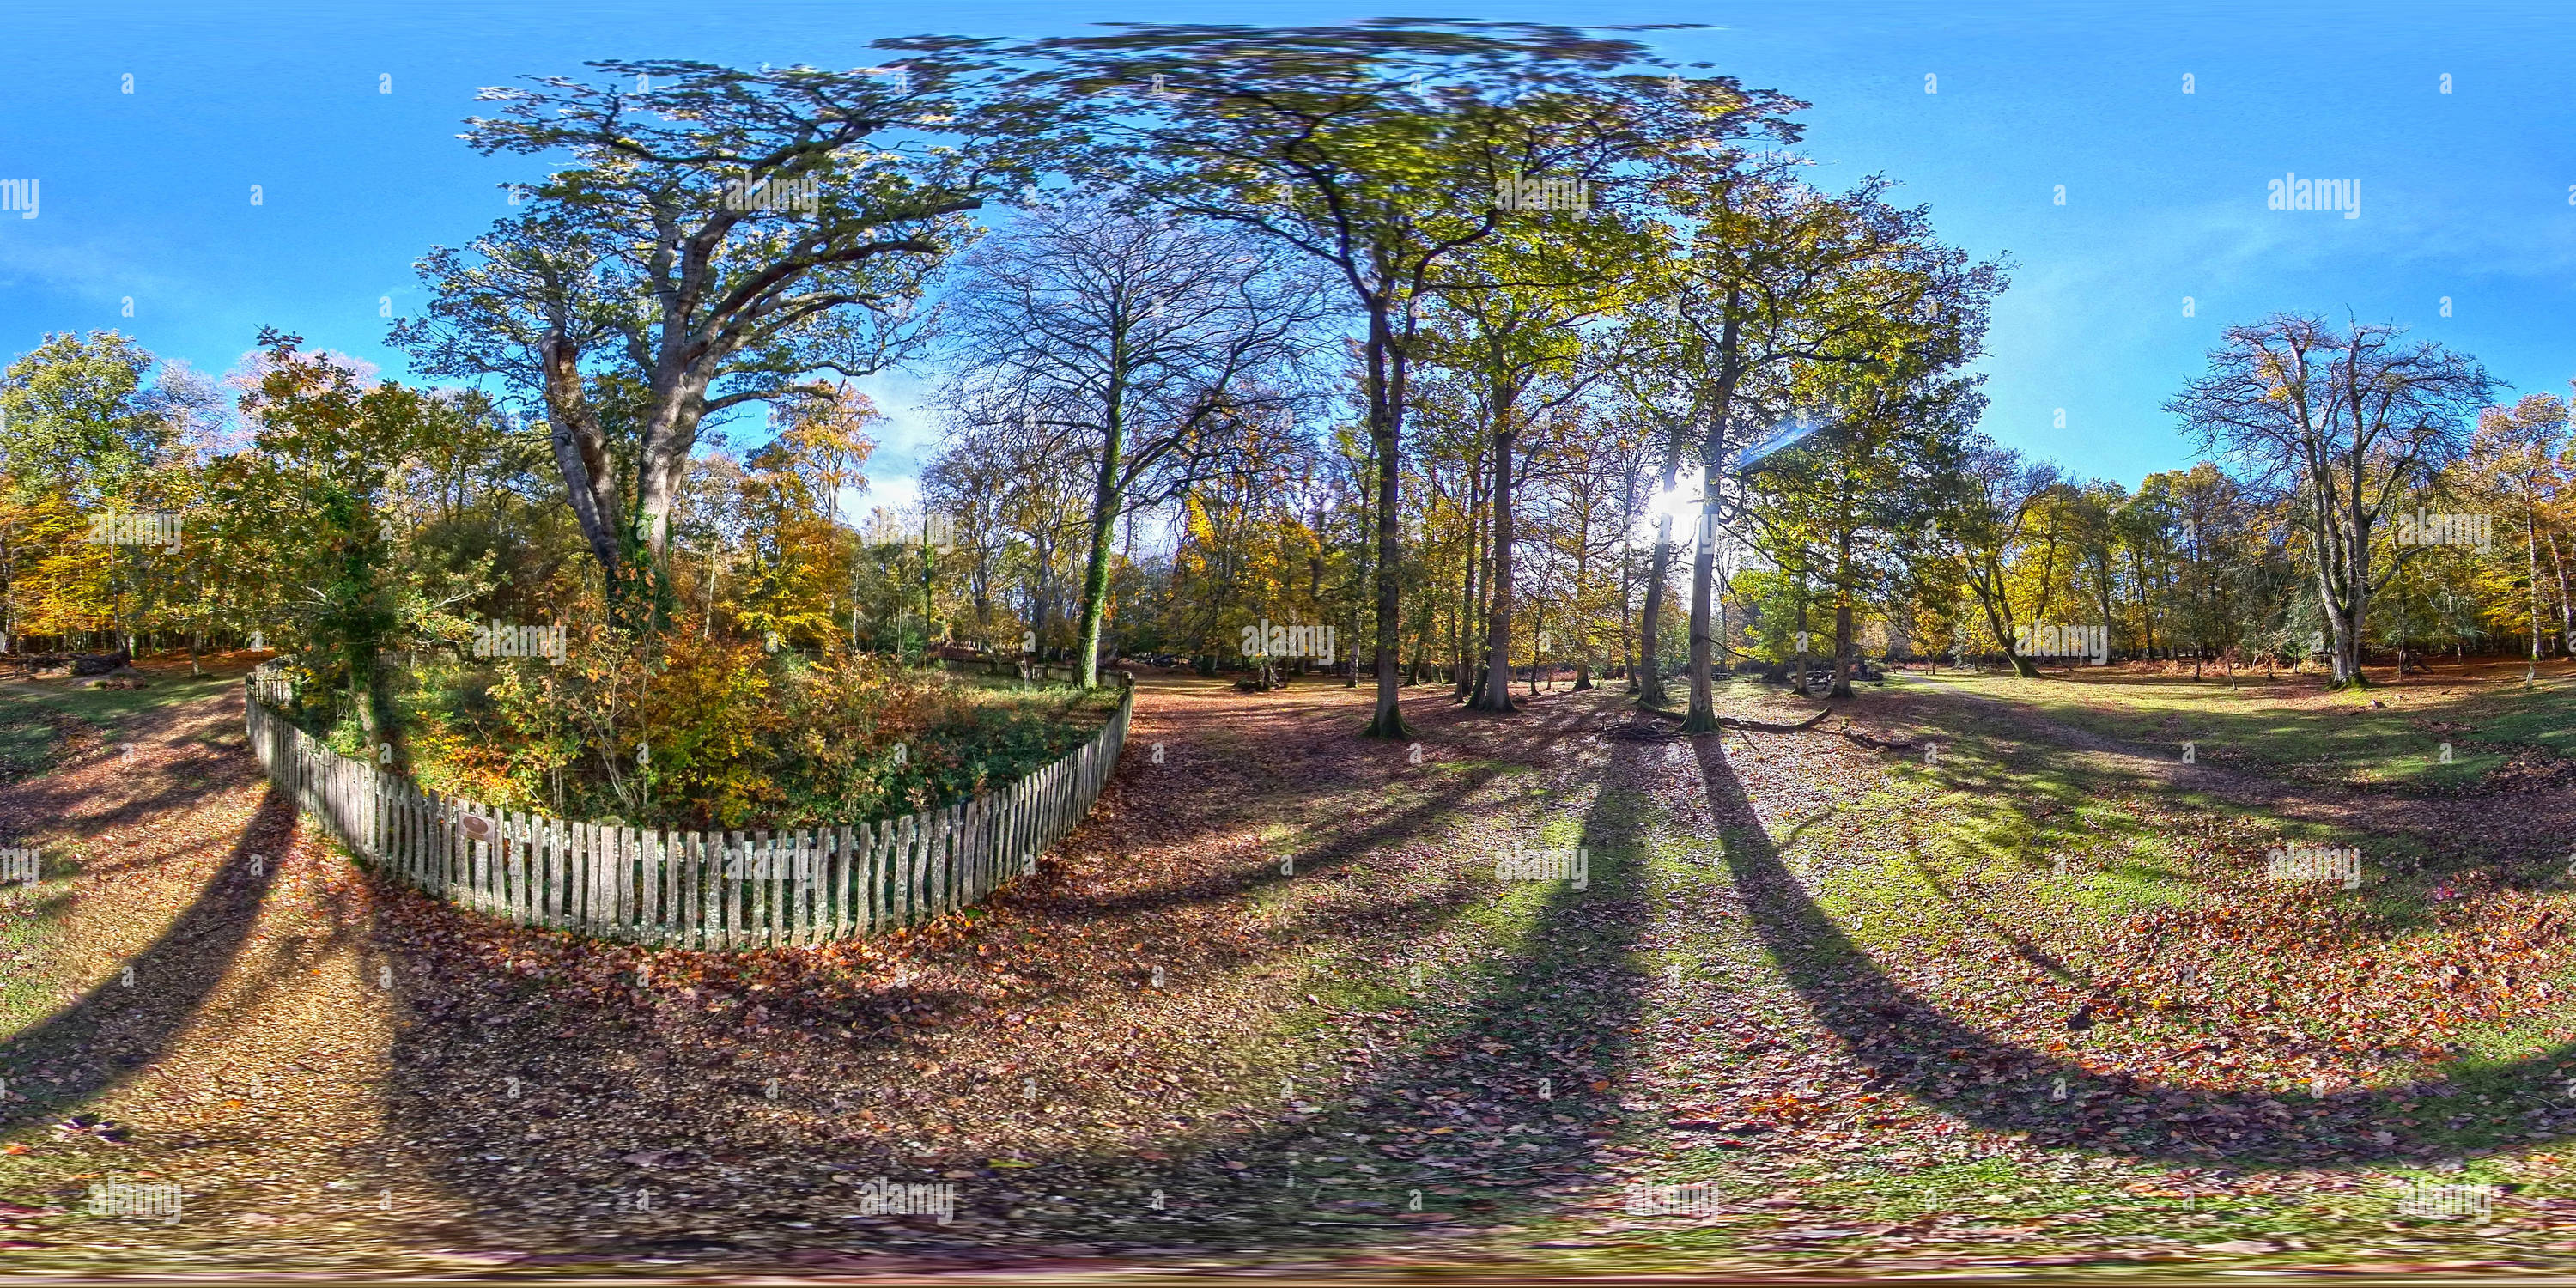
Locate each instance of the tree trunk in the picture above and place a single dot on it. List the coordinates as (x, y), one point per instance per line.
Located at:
(1842, 612)
(1703, 694)
(1703, 703)
(1386, 407)
(1104, 523)
(2531, 559)
(1650, 680)
(1498, 639)
(1471, 601)
(581, 451)
(1842, 651)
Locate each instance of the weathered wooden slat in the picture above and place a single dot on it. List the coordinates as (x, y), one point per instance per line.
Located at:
(801, 889)
(736, 859)
(558, 872)
(585, 878)
(845, 882)
(710, 886)
(603, 864)
(871, 900)
(755, 888)
(684, 888)
(917, 870)
(934, 856)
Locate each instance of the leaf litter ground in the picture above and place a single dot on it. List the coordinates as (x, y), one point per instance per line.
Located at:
(2032, 1005)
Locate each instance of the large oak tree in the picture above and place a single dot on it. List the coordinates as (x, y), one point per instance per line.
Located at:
(719, 237)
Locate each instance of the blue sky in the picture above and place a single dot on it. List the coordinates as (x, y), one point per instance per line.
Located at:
(2467, 197)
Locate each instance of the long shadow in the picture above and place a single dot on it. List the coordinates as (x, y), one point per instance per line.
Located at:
(1520, 741)
(580, 1075)
(2523, 859)
(96, 1040)
(2430, 716)
(182, 773)
(1537, 1050)
(1940, 1061)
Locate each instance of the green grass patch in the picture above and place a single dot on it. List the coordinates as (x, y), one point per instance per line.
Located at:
(30, 915)
(2301, 730)
(39, 717)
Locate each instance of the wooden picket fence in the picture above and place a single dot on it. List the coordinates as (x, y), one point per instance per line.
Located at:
(715, 890)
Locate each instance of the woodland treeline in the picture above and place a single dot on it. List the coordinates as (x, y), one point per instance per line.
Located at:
(1487, 346)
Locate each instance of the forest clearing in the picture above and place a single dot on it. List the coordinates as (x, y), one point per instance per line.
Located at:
(1799, 968)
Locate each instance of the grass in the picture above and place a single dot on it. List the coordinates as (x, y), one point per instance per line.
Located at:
(27, 740)
(29, 917)
(38, 716)
(1926, 868)
(2298, 728)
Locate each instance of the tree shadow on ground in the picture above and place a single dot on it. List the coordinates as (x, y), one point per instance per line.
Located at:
(98, 1039)
(2001, 1085)
(2408, 838)
(183, 771)
(543, 1082)
(1536, 1052)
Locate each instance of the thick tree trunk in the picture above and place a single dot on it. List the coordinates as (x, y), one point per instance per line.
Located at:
(1998, 619)
(1498, 638)
(1650, 679)
(1386, 408)
(581, 451)
(1471, 603)
(1702, 717)
(1842, 651)
(1842, 614)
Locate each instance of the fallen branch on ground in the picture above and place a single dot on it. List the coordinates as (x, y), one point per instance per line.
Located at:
(1875, 744)
(1648, 730)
